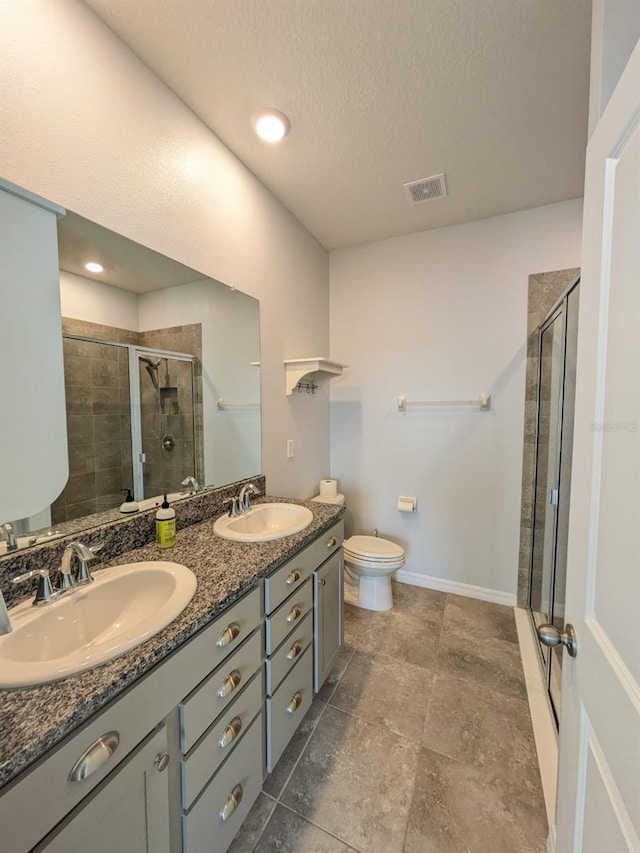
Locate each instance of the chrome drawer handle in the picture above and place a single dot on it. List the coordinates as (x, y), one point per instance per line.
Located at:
(332, 542)
(230, 733)
(95, 756)
(161, 761)
(229, 684)
(293, 614)
(228, 635)
(294, 651)
(231, 803)
(292, 577)
(296, 701)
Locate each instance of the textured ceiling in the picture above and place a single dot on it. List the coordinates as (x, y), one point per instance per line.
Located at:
(379, 92)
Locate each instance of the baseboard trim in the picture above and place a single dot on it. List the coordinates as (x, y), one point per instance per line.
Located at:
(551, 840)
(466, 589)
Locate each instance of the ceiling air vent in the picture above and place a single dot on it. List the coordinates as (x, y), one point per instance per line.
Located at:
(427, 189)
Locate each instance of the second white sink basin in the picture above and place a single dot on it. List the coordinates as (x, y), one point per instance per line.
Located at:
(264, 522)
(123, 607)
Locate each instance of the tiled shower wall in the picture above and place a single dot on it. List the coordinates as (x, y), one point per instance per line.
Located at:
(98, 412)
(544, 290)
(165, 469)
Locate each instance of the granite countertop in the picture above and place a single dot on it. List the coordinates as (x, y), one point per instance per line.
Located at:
(34, 719)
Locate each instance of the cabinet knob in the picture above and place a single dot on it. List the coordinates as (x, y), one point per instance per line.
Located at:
(230, 733)
(296, 701)
(331, 543)
(162, 761)
(94, 756)
(293, 614)
(294, 651)
(292, 577)
(231, 803)
(229, 684)
(228, 635)
(323, 582)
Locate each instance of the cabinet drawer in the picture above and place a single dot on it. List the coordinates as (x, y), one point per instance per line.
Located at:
(287, 655)
(239, 780)
(234, 626)
(294, 572)
(220, 741)
(202, 706)
(288, 616)
(287, 707)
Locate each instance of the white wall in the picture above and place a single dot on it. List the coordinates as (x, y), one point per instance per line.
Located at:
(441, 315)
(86, 299)
(86, 124)
(615, 30)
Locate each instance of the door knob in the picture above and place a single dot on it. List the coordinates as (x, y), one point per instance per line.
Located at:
(551, 636)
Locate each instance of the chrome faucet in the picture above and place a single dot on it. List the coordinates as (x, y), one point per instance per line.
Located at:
(5, 622)
(244, 498)
(84, 554)
(191, 481)
(7, 532)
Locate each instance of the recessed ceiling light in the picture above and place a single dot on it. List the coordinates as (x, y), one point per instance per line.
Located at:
(271, 125)
(93, 266)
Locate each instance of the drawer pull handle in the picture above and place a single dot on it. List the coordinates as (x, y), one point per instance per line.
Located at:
(95, 756)
(162, 761)
(331, 543)
(292, 577)
(229, 684)
(231, 803)
(228, 635)
(296, 701)
(230, 733)
(293, 614)
(294, 651)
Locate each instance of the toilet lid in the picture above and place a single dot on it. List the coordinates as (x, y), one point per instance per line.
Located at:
(374, 548)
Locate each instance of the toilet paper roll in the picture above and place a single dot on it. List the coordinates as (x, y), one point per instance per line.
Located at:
(328, 488)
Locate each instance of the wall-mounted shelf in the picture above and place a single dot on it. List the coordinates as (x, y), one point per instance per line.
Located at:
(483, 402)
(297, 369)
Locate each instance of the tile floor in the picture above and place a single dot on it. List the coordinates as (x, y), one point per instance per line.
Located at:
(419, 742)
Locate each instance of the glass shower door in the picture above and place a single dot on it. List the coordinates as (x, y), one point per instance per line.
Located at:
(554, 444)
(167, 423)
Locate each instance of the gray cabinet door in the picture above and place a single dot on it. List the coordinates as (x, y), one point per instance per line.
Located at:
(128, 812)
(328, 606)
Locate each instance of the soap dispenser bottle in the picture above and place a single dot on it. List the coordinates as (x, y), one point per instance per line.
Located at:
(165, 525)
(130, 504)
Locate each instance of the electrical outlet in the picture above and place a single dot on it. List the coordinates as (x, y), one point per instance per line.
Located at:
(291, 448)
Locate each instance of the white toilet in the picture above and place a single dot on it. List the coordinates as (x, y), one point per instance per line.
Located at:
(369, 562)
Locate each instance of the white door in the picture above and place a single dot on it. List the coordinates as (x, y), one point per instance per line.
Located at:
(598, 809)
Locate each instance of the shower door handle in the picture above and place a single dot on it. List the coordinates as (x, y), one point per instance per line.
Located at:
(551, 636)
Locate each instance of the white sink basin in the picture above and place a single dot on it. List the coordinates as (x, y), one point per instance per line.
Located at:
(264, 522)
(123, 607)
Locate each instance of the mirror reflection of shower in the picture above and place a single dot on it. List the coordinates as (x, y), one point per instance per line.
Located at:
(151, 366)
(132, 422)
(166, 452)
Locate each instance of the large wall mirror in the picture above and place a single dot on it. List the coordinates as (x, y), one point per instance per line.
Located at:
(161, 375)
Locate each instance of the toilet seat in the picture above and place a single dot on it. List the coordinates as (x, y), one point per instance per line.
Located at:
(373, 553)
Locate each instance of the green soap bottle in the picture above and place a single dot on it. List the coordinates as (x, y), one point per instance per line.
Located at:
(165, 525)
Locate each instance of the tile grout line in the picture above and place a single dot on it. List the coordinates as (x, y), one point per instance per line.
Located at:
(321, 828)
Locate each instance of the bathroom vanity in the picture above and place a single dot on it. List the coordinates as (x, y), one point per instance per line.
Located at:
(166, 747)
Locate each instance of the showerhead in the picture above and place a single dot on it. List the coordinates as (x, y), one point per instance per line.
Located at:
(152, 369)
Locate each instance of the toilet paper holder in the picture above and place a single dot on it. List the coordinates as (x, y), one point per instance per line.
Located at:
(407, 504)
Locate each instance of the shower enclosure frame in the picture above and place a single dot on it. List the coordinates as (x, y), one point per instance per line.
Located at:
(559, 309)
(135, 408)
(137, 453)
